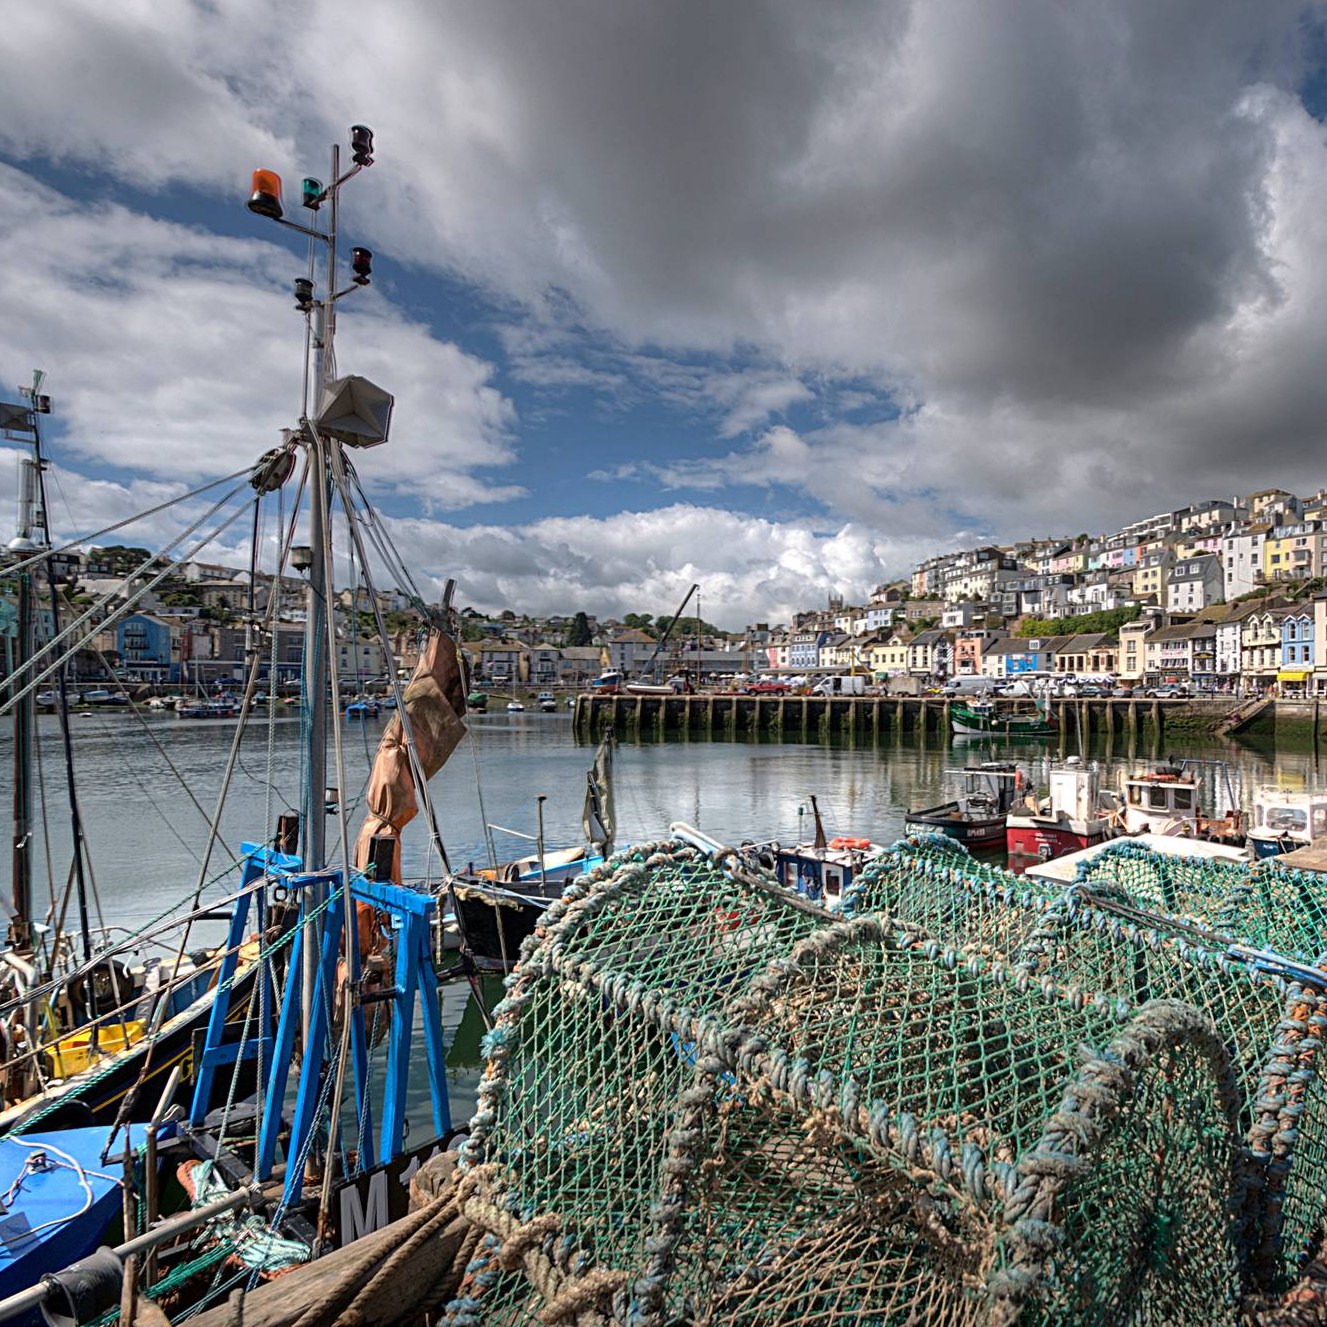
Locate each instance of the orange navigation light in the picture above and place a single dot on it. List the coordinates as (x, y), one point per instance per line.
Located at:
(266, 196)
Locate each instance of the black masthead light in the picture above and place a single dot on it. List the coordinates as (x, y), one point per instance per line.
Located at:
(303, 294)
(361, 263)
(361, 144)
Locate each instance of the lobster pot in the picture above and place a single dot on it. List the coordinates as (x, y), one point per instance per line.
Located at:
(1269, 1016)
(1265, 903)
(704, 1106)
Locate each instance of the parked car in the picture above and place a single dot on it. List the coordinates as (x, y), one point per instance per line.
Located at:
(1168, 692)
(1092, 689)
(768, 689)
(1122, 691)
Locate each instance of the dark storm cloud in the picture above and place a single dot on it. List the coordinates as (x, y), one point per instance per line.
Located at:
(1078, 242)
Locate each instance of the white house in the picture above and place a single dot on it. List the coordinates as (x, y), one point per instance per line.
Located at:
(1194, 584)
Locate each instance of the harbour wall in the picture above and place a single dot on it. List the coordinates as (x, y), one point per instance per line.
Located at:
(878, 719)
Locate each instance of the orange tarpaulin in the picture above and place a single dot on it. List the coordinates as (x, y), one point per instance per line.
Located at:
(434, 702)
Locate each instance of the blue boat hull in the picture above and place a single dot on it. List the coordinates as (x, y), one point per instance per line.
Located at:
(66, 1205)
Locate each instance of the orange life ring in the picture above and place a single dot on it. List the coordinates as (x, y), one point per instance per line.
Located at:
(850, 844)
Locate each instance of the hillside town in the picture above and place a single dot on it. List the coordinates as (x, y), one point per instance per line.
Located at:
(1223, 596)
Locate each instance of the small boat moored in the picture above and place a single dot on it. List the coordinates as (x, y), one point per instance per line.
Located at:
(985, 718)
(1075, 815)
(1284, 820)
(976, 817)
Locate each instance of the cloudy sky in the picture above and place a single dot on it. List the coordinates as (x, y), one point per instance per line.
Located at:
(773, 296)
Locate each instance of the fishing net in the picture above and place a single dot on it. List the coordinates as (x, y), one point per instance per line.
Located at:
(1094, 938)
(706, 1104)
(1265, 903)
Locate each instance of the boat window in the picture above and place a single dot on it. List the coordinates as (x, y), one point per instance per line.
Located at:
(1184, 799)
(1134, 795)
(833, 883)
(1287, 818)
(1319, 821)
(1156, 799)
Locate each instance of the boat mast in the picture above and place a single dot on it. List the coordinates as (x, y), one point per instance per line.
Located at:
(20, 422)
(321, 439)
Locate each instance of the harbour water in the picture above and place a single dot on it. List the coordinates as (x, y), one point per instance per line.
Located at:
(145, 834)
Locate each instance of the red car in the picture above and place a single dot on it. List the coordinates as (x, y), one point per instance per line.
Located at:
(768, 689)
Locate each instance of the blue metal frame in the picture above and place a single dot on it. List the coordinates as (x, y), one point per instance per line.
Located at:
(411, 916)
(259, 861)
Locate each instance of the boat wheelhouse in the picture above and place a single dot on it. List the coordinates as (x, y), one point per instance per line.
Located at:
(821, 873)
(1166, 800)
(1076, 814)
(1284, 820)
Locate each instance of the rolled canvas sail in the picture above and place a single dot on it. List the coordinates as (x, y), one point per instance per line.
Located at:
(434, 702)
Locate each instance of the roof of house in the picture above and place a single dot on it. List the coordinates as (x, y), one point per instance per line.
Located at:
(1087, 640)
(1186, 631)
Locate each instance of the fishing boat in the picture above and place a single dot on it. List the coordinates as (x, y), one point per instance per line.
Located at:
(1167, 800)
(477, 702)
(1076, 813)
(1285, 820)
(323, 992)
(218, 707)
(984, 718)
(547, 702)
(822, 869)
(92, 1022)
(495, 907)
(514, 706)
(976, 816)
(609, 683)
(364, 707)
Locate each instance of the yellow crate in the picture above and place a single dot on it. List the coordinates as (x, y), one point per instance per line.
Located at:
(72, 1054)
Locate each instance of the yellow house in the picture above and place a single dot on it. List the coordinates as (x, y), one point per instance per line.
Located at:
(889, 656)
(1293, 552)
(1132, 659)
(1150, 576)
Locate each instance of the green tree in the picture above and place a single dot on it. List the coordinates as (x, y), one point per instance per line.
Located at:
(1108, 621)
(579, 632)
(691, 626)
(641, 621)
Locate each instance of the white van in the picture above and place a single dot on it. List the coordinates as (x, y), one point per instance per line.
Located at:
(969, 686)
(852, 685)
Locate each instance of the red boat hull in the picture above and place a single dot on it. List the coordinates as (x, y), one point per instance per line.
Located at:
(1041, 840)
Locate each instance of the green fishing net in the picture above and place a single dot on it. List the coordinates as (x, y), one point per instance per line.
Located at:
(975, 1103)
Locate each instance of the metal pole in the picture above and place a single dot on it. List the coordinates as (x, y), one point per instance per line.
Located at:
(539, 845)
(316, 627)
(150, 1196)
(25, 715)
